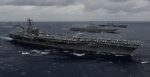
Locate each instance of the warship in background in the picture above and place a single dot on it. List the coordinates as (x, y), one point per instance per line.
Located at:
(113, 25)
(75, 44)
(95, 29)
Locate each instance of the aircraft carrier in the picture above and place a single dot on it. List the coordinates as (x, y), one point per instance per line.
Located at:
(113, 25)
(32, 35)
(95, 29)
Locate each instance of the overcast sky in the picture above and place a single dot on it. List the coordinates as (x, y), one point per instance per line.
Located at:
(75, 10)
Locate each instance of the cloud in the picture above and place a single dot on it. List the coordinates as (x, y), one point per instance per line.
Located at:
(37, 2)
(118, 0)
(112, 6)
(75, 9)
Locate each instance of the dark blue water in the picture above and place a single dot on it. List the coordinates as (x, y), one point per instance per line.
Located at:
(18, 60)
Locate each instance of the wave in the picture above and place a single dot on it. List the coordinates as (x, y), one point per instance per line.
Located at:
(5, 26)
(145, 62)
(34, 53)
(5, 38)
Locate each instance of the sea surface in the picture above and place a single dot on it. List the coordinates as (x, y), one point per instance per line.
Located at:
(17, 60)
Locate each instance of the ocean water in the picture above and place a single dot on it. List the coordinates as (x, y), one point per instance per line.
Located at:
(17, 60)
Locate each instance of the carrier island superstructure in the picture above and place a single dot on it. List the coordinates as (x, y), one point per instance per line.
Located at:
(32, 35)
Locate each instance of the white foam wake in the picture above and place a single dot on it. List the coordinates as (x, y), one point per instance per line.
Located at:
(34, 53)
(77, 54)
(145, 62)
(5, 38)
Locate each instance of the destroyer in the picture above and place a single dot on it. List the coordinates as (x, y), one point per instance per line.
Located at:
(31, 35)
(95, 29)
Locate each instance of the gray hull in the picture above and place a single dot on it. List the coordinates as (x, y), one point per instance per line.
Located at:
(96, 30)
(103, 49)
